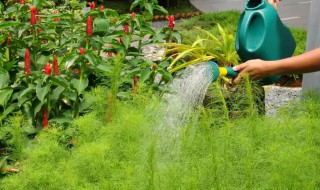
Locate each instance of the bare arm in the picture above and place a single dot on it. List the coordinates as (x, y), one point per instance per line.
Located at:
(258, 69)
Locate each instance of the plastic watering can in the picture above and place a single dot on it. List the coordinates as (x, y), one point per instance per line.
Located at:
(260, 35)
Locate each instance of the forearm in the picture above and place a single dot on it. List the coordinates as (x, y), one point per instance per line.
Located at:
(304, 63)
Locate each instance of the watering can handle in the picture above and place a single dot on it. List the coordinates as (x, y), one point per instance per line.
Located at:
(231, 72)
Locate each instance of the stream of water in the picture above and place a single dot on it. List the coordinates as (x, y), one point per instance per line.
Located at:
(185, 93)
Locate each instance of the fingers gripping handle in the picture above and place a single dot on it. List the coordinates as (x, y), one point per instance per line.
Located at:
(231, 72)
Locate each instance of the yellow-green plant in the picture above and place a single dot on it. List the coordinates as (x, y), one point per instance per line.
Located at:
(220, 49)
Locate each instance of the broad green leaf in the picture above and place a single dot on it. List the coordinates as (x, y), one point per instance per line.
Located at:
(165, 74)
(80, 85)
(91, 58)
(148, 29)
(177, 36)
(38, 108)
(22, 100)
(5, 95)
(101, 25)
(59, 81)
(42, 91)
(8, 66)
(161, 9)
(134, 4)
(145, 74)
(126, 41)
(104, 68)
(70, 59)
(27, 90)
(4, 78)
(62, 119)
(57, 92)
(9, 24)
(8, 110)
(149, 7)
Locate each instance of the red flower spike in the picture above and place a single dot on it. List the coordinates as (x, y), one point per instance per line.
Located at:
(92, 5)
(89, 26)
(135, 83)
(55, 65)
(101, 8)
(133, 15)
(8, 41)
(126, 29)
(22, 2)
(171, 22)
(109, 54)
(45, 120)
(33, 11)
(27, 63)
(47, 68)
(82, 51)
(120, 40)
(56, 12)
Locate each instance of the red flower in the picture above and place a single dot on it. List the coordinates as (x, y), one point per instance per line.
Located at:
(135, 83)
(171, 22)
(109, 54)
(27, 63)
(120, 40)
(89, 26)
(33, 11)
(101, 8)
(9, 39)
(21, 2)
(55, 65)
(47, 68)
(56, 12)
(92, 5)
(126, 29)
(133, 15)
(45, 120)
(82, 51)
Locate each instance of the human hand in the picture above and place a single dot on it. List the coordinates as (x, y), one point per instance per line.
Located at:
(274, 3)
(256, 69)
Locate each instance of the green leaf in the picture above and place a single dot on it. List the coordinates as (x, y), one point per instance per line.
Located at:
(62, 119)
(5, 95)
(148, 29)
(4, 78)
(177, 36)
(134, 4)
(80, 85)
(27, 90)
(9, 109)
(70, 59)
(104, 68)
(165, 74)
(91, 58)
(101, 25)
(9, 24)
(42, 91)
(149, 7)
(161, 9)
(145, 74)
(57, 92)
(57, 80)
(126, 41)
(8, 66)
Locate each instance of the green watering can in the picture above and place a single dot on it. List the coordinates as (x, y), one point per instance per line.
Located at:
(260, 35)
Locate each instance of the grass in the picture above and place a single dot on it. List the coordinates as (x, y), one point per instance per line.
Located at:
(210, 152)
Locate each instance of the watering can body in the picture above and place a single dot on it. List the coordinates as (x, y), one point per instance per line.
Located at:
(262, 35)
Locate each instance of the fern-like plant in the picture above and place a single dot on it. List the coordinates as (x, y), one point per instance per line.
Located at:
(221, 49)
